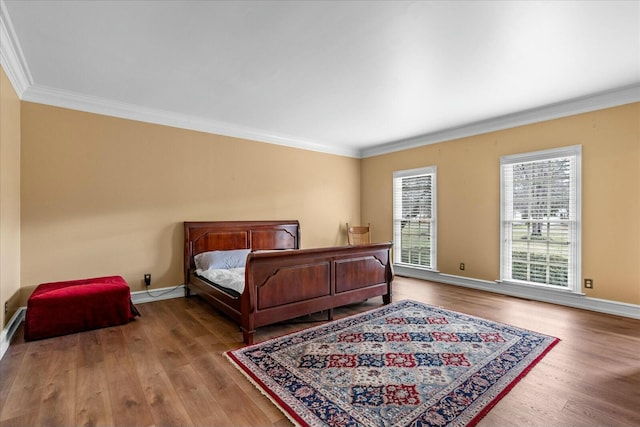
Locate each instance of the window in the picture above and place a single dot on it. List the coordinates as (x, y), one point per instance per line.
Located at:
(414, 217)
(540, 204)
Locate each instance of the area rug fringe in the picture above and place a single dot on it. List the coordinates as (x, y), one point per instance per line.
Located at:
(261, 388)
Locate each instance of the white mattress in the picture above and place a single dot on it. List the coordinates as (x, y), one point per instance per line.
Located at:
(232, 278)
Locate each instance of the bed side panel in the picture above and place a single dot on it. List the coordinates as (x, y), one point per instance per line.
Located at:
(294, 283)
(360, 272)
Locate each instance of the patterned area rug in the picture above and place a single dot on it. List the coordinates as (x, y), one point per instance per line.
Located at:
(404, 364)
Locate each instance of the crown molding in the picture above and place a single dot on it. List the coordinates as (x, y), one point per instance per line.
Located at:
(612, 98)
(75, 101)
(65, 99)
(11, 56)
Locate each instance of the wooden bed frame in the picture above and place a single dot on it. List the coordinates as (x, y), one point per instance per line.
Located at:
(283, 282)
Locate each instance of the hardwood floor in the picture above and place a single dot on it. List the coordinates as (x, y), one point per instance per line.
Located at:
(167, 368)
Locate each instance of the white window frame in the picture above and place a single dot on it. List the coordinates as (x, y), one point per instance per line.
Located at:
(397, 222)
(575, 218)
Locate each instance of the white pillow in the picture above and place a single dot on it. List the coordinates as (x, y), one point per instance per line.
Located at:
(236, 258)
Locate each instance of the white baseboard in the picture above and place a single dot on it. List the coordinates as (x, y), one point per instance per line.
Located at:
(528, 292)
(138, 297)
(10, 330)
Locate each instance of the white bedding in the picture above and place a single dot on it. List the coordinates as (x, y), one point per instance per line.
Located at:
(231, 278)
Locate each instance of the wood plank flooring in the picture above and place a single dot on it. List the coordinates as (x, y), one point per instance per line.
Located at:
(167, 368)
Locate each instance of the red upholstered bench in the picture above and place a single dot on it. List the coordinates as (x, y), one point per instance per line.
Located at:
(62, 308)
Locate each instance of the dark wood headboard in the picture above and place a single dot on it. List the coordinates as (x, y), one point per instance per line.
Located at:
(203, 236)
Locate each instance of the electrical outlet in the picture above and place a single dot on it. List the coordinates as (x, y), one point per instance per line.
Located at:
(588, 283)
(462, 266)
(147, 279)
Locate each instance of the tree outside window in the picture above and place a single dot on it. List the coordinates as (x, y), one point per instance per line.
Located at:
(540, 218)
(414, 217)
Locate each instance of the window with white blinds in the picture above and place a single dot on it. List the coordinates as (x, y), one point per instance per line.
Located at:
(414, 217)
(540, 204)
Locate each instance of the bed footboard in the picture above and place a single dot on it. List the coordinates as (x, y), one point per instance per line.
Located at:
(282, 285)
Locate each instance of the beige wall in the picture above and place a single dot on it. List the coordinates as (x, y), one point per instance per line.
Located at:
(468, 195)
(103, 196)
(9, 198)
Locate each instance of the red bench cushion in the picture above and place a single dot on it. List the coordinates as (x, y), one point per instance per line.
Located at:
(61, 308)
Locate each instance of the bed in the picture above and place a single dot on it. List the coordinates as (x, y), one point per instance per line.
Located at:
(281, 281)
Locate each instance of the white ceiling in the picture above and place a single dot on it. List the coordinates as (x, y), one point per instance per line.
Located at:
(343, 77)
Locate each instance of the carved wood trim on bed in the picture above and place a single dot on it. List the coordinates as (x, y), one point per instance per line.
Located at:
(284, 284)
